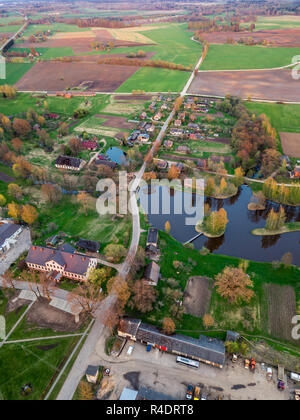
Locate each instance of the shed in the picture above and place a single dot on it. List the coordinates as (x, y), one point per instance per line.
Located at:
(128, 394)
(88, 245)
(152, 273)
(92, 373)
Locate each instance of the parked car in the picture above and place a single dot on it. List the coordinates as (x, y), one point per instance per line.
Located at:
(130, 350)
(148, 348)
(189, 392)
(247, 363)
(197, 393)
(203, 397)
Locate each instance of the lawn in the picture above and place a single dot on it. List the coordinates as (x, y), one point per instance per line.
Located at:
(14, 72)
(9, 28)
(31, 363)
(155, 80)
(49, 53)
(285, 118)
(240, 57)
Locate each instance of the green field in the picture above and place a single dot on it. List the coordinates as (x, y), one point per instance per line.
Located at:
(240, 57)
(14, 72)
(49, 53)
(285, 118)
(9, 28)
(155, 80)
(54, 27)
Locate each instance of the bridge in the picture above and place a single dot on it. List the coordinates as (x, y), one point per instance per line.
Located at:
(193, 239)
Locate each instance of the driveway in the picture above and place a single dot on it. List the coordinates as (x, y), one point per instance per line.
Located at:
(22, 245)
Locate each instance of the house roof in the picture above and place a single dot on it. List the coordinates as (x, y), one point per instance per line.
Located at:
(73, 263)
(205, 348)
(68, 161)
(152, 272)
(129, 326)
(88, 245)
(7, 230)
(152, 236)
(128, 395)
(67, 248)
(92, 370)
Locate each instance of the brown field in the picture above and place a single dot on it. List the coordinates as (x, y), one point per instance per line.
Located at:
(197, 296)
(291, 144)
(56, 76)
(273, 85)
(116, 122)
(281, 309)
(277, 38)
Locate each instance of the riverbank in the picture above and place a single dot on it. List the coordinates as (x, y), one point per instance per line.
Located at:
(287, 228)
(199, 229)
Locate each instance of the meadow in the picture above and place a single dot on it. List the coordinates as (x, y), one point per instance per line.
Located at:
(277, 22)
(14, 72)
(241, 57)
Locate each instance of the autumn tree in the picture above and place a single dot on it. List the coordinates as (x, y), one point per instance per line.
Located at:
(208, 321)
(114, 252)
(2, 200)
(167, 227)
(173, 172)
(234, 285)
(17, 144)
(51, 193)
(21, 127)
(15, 191)
(14, 211)
(144, 296)
(86, 298)
(168, 327)
(29, 214)
(98, 276)
(85, 391)
(75, 146)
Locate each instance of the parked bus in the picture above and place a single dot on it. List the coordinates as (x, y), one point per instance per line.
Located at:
(187, 362)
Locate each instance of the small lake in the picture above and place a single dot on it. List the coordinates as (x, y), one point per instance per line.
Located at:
(115, 154)
(238, 240)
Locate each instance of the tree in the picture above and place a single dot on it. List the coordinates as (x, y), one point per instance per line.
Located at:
(144, 296)
(168, 326)
(17, 144)
(114, 252)
(98, 276)
(85, 391)
(14, 210)
(167, 226)
(208, 321)
(234, 285)
(232, 347)
(75, 146)
(29, 214)
(21, 127)
(87, 297)
(15, 191)
(238, 176)
(51, 193)
(287, 259)
(173, 172)
(2, 200)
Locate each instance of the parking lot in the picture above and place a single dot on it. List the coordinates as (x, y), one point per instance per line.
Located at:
(160, 372)
(22, 244)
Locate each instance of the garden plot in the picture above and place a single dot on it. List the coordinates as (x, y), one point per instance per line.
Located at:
(94, 125)
(281, 309)
(291, 144)
(197, 296)
(127, 106)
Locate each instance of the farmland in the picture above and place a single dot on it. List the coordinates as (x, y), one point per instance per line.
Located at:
(258, 84)
(278, 22)
(238, 57)
(14, 72)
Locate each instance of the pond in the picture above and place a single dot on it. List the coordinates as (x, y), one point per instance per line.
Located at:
(115, 154)
(238, 240)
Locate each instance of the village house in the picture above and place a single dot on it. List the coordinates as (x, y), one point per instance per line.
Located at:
(158, 116)
(151, 274)
(204, 349)
(9, 233)
(181, 116)
(143, 116)
(143, 138)
(92, 374)
(69, 163)
(89, 145)
(152, 238)
(168, 144)
(296, 172)
(161, 164)
(177, 123)
(183, 149)
(87, 245)
(59, 263)
(176, 132)
(164, 107)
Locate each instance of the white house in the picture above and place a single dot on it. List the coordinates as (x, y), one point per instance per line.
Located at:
(9, 233)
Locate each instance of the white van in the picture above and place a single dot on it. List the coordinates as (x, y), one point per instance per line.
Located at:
(295, 377)
(130, 350)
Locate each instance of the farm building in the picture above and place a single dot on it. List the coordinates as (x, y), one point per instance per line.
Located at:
(158, 116)
(59, 263)
(89, 145)
(177, 123)
(152, 238)
(152, 273)
(70, 163)
(92, 374)
(9, 233)
(87, 245)
(204, 349)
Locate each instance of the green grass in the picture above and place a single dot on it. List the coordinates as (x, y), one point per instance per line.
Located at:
(54, 27)
(269, 23)
(240, 57)
(155, 80)
(49, 53)
(14, 72)
(21, 364)
(285, 118)
(9, 28)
